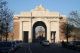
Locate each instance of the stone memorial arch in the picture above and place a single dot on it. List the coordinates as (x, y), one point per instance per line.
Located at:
(28, 26)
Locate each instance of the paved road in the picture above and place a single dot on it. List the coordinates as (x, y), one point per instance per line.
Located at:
(37, 48)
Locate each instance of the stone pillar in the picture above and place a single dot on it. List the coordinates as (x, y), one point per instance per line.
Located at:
(20, 30)
(30, 32)
(57, 37)
(48, 31)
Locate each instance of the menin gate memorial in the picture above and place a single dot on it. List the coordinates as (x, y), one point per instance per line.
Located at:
(29, 26)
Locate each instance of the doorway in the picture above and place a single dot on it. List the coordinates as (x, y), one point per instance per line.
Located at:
(53, 36)
(25, 36)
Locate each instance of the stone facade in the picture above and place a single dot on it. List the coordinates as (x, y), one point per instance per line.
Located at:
(26, 22)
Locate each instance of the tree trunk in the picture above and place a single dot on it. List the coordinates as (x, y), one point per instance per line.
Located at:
(67, 38)
(6, 36)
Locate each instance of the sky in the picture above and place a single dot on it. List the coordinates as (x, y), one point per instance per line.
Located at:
(62, 6)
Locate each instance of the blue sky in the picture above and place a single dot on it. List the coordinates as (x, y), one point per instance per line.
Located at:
(62, 6)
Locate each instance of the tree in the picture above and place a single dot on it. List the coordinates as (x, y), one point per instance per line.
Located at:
(68, 29)
(6, 19)
(74, 19)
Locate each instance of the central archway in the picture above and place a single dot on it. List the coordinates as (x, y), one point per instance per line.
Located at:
(38, 23)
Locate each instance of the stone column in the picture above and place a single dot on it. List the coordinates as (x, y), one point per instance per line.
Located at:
(30, 32)
(48, 30)
(21, 33)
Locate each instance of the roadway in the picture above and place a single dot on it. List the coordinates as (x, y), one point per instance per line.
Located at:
(38, 48)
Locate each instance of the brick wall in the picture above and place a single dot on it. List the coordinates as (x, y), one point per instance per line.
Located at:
(16, 29)
(62, 30)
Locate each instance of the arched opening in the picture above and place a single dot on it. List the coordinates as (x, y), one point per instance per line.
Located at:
(39, 31)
